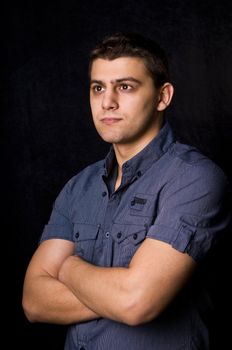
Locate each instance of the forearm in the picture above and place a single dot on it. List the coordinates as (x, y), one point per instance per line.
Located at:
(133, 295)
(107, 291)
(45, 299)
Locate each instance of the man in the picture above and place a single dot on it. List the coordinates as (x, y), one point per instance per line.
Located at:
(119, 260)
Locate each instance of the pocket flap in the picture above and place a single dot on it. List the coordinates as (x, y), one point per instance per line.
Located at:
(134, 233)
(83, 232)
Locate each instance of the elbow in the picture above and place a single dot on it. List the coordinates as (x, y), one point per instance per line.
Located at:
(136, 306)
(30, 311)
(137, 317)
(136, 312)
(132, 319)
(30, 317)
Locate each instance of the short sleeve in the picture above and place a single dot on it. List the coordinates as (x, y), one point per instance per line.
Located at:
(59, 225)
(193, 210)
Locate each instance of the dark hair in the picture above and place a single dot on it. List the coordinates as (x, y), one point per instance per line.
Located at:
(134, 45)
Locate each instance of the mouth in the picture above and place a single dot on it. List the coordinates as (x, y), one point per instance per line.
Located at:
(110, 120)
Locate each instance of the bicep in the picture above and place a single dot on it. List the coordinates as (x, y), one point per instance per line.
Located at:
(159, 271)
(49, 257)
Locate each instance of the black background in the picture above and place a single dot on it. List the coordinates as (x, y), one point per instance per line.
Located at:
(47, 134)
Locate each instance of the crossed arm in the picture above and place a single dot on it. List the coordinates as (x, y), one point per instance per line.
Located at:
(45, 298)
(62, 288)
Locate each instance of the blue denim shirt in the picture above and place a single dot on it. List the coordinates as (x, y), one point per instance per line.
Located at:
(169, 192)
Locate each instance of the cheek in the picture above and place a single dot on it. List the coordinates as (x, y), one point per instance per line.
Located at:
(149, 105)
(132, 105)
(94, 105)
(142, 108)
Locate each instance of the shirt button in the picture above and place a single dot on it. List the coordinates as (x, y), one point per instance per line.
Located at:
(132, 202)
(119, 234)
(139, 173)
(77, 234)
(107, 234)
(135, 235)
(104, 194)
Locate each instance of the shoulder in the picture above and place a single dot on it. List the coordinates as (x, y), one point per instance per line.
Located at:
(190, 175)
(84, 178)
(191, 165)
(87, 175)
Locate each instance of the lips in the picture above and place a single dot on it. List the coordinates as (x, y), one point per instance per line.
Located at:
(110, 120)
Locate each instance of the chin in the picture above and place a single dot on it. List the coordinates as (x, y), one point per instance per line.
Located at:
(110, 138)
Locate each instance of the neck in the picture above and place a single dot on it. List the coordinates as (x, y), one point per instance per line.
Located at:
(124, 152)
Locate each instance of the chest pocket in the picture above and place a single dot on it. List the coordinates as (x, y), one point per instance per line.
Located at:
(127, 240)
(143, 205)
(85, 239)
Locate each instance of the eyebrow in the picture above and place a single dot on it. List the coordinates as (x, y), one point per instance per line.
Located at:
(120, 80)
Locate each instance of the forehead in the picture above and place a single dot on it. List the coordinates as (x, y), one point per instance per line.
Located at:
(103, 69)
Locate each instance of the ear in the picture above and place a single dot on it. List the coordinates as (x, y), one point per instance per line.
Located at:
(165, 96)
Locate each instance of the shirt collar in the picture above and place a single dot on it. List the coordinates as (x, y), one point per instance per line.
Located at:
(143, 160)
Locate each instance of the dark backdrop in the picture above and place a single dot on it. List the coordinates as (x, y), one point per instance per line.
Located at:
(47, 135)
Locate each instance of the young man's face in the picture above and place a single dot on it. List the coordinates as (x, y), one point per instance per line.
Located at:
(124, 101)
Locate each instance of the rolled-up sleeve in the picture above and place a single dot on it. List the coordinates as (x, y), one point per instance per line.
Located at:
(193, 210)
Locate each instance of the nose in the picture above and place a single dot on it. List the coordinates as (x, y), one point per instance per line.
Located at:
(109, 100)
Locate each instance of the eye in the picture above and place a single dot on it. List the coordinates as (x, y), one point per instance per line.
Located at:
(125, 87)
(97, 88)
